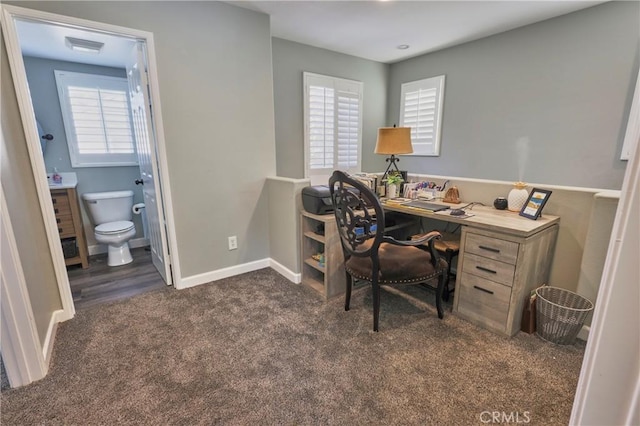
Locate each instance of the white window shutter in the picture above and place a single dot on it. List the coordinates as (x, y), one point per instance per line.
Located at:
(348, 130)
(97, 119)
(321, 125)
(421, 109)
(333, 125)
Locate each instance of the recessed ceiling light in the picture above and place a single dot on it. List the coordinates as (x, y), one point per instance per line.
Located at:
(80, 45)
(403, 46)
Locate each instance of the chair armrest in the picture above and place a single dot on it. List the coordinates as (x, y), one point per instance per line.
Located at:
(426, 239)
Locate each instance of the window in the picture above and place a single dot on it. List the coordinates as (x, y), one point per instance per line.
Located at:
(421, 109)
(97, 119)
(333, 125)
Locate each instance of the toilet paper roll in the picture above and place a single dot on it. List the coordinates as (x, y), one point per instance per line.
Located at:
(137, 207)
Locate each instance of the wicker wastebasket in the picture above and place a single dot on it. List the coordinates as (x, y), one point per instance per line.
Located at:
(560, 314)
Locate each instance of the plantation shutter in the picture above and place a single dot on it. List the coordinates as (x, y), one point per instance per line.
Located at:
(321, 127)
(333, 125)
(421, 109)
(348, 130)
(97, 119)
(101, 120)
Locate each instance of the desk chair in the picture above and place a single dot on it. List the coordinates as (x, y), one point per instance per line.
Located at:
(449, 247)
(374, 257)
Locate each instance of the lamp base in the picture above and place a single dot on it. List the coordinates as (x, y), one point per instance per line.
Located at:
(392, 164)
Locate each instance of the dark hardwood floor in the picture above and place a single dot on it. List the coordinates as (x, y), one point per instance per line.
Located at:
(101, 283)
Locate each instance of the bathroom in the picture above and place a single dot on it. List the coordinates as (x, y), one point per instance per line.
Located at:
(46, 88)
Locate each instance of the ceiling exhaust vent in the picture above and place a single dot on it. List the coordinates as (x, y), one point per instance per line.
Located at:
(80, 45)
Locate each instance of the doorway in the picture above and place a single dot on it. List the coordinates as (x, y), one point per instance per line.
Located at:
(155, 226)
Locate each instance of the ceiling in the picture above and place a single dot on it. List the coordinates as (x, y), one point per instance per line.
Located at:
(44, 40)
(367, 29)
(373, 29)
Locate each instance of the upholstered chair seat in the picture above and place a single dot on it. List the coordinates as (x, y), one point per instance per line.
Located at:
(398, 264)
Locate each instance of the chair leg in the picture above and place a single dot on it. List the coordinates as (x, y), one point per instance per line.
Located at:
(347, 293)
(449, 259)
(376, 303)
(439, 290)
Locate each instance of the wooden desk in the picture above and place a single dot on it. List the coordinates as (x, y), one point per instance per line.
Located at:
(503, 257)
(485, 218)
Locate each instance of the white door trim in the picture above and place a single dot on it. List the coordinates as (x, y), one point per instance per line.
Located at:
(22, 353)
(9, 13)
(37, 161)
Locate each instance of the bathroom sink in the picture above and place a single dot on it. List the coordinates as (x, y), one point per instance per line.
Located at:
(69, 180)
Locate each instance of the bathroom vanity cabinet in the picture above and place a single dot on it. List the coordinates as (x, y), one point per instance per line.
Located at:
(69, 221)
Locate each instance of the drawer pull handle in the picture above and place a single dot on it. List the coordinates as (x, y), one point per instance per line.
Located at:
(58, 220)
(482, 289)
(54, 200)
(56, 211)
(60, 230)
(491, 271)
(489, 249)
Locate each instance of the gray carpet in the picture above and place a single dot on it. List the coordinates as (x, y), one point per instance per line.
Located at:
(256, 349)
(3, 375)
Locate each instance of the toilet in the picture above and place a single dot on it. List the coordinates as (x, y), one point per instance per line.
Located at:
(111, 213)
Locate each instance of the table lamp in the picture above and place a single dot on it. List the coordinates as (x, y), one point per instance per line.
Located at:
(392, 141)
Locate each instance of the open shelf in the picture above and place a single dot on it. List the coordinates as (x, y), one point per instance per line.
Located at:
(328, 280)
(315, 236)
(315, 264)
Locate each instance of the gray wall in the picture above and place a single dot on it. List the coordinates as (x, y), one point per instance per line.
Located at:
(44, 94)
(216, 85)
(19, 189)
(290, 60)
(565, 84)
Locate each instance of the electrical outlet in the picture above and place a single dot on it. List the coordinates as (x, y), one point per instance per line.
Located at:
(233, 243)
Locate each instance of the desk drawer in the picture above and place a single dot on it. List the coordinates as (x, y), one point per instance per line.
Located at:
(489, 269)
(493, 248)
(484, 301)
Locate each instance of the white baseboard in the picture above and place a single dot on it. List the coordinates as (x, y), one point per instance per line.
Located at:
(49, 340)
(219, 274)
(295, 278)
(102, 248)
(231, 271)
(583, 334)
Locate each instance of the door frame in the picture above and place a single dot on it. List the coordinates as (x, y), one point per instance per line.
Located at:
(23, 355)
(25, 105)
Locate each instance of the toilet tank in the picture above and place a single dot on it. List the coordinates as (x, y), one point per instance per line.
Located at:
(106, 207)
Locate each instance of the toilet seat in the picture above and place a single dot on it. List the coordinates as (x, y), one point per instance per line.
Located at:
(111, 228)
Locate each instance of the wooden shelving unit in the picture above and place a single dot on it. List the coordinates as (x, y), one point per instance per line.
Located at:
(320, 235)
